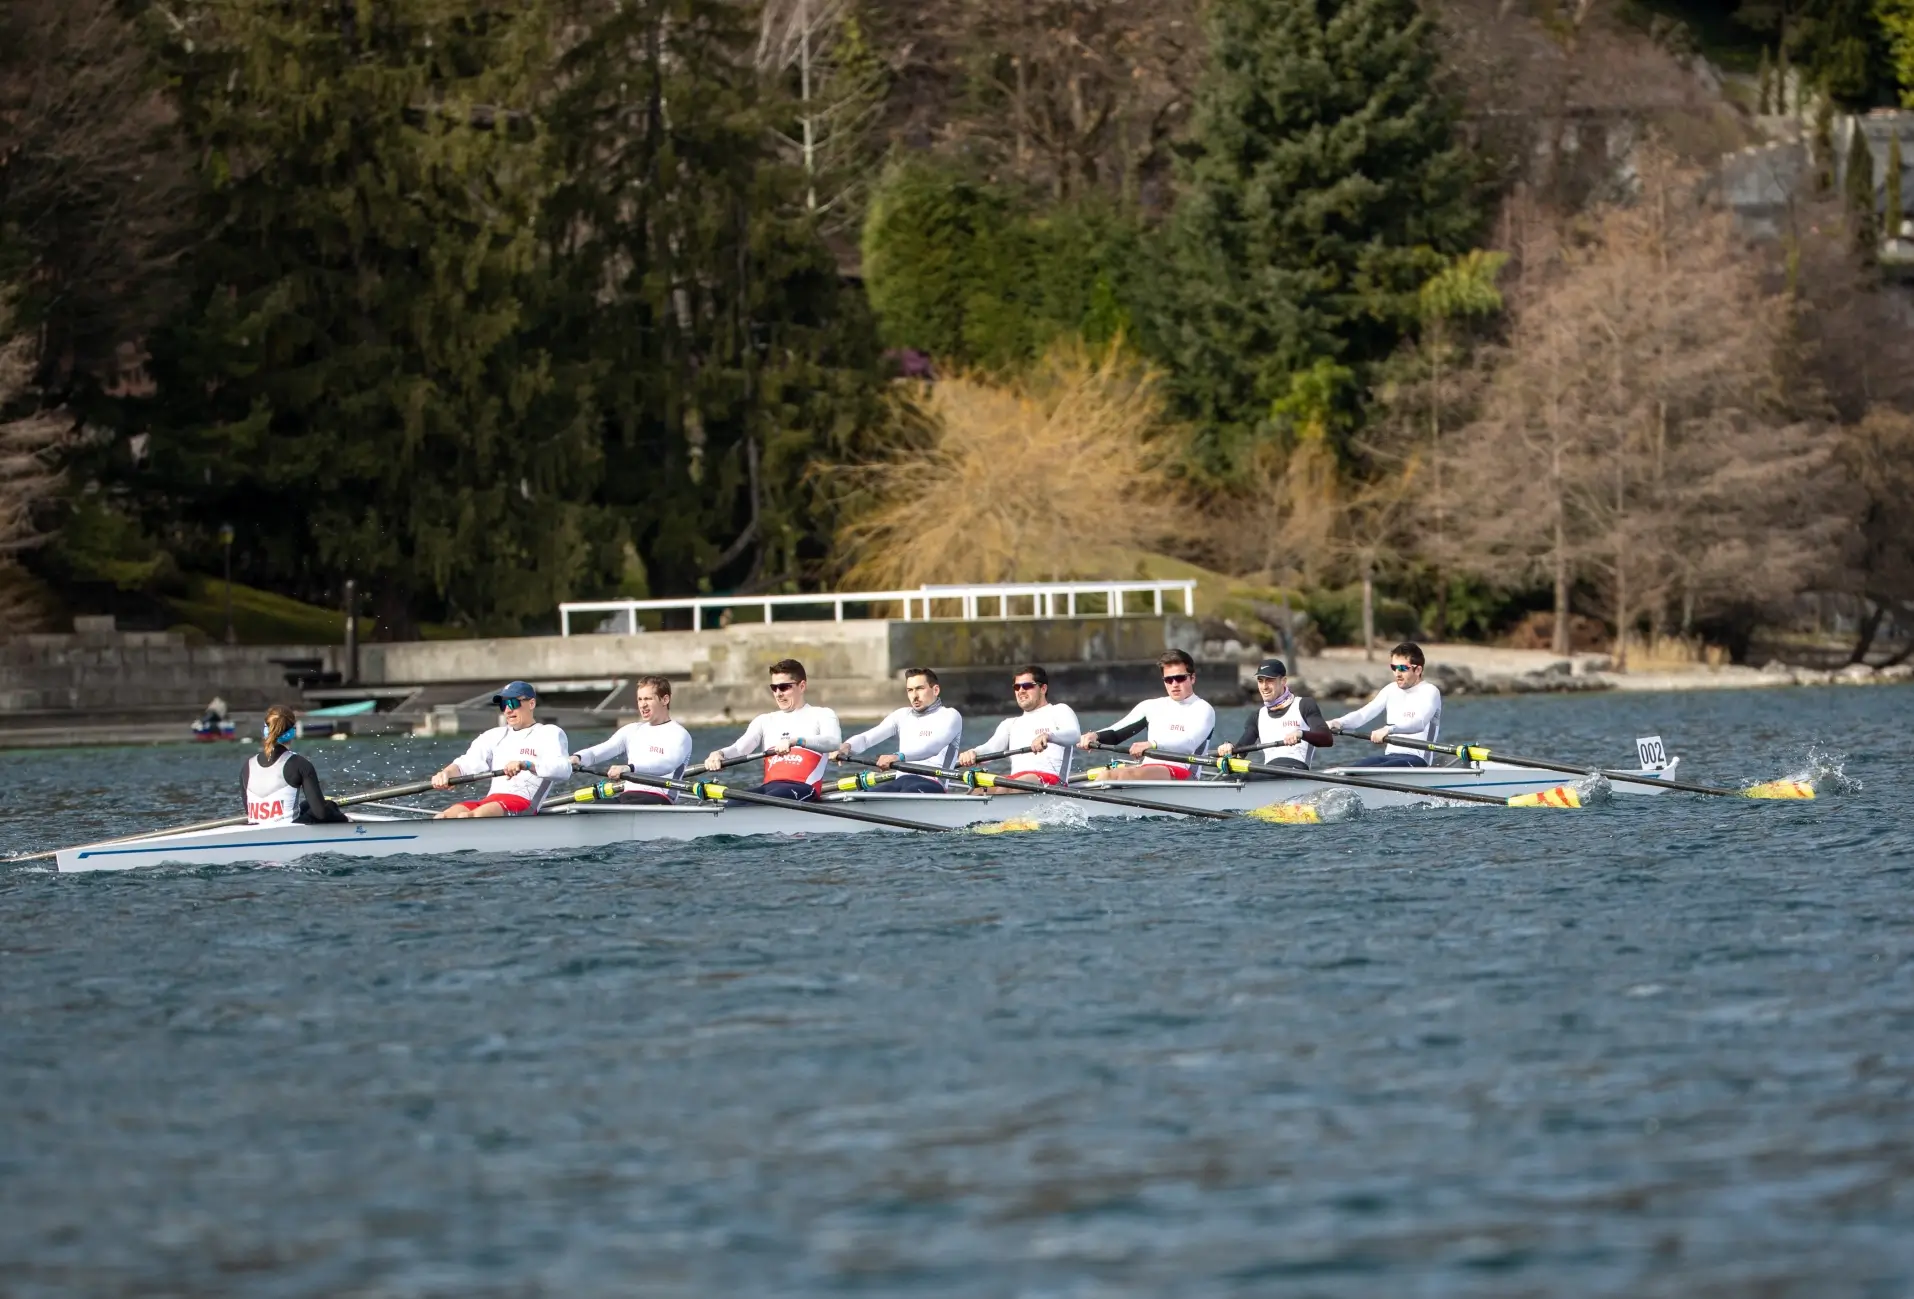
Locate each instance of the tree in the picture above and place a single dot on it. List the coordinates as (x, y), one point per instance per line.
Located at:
(1877, 458)
(29, 435)
(92, 185)
(1863, 216)
(1323, 183)
(1897, 25)
(694, 301)
(1843, 51)
(354, 387)
(837, 101)
(1635, 435)
(1894, 214)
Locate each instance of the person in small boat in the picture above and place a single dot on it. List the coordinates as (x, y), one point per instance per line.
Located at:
(1409, 707)
(652, 746)
(281, 787)
(530, 754)
(1291, 722)
(1176, 721)
(1046, 729)
(796, 740)
(926, 731)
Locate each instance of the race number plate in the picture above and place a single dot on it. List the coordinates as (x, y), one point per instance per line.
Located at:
(1649, 750)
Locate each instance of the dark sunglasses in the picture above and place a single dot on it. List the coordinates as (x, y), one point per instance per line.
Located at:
(1400, 667)
(779, 687)
(1176, 678)
(511, 701)
(1023, 685)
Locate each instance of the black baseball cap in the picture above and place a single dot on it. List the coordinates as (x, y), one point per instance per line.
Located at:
(516, 690)
(1271, 668)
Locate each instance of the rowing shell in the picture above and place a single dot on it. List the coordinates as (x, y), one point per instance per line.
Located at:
(602, 826)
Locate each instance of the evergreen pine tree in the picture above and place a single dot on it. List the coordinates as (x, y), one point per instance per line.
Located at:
(1764, 85)
(1823, 142)
(370, 407)
(726, 358)
(1860, 193)
(1322, 184)
(1895, 213)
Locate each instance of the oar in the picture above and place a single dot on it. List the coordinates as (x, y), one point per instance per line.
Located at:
(1560, 796)
(397, 791)
(990, 780)
(704, 789)
(1007, 753)
(1476, 753)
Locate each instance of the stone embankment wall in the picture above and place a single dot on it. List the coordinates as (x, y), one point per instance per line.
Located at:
(140, 672)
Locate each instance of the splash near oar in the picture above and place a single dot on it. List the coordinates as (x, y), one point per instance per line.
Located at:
(1777, 789)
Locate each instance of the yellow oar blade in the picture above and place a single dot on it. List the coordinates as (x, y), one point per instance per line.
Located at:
(1009, 827)
(1560, 796)
(1780, 789)
(1287, 814)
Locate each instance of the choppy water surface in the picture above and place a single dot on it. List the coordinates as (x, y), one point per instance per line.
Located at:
(1660, 1048)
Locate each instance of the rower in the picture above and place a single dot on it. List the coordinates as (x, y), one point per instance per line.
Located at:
(281, 786)
(654, 745)
(1288, 728)
(1409, 706)
(532, 754)
(1038, 723)
(927, 732)
(1178, 722)
(796, 739)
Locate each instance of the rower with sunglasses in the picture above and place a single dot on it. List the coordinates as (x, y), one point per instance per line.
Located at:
(1046, 729)
(531, 754)
(1178, 722)
(796, 740)
(1288, 728)
(1409, 707)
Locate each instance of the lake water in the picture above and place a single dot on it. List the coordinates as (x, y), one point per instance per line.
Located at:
(1658, 1048)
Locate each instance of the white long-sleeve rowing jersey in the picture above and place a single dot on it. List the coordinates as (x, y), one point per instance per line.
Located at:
(661, 750)
(814, 730)
(541, 747)
(932, 736)
(1174, 725)
(1415, 713)
(1017, 732)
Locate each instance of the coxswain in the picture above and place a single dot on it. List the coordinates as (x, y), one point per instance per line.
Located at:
(1409, 707)
(654, 745)
(281, 786)
(1178, 722)
(1047, 730)
(1288, 729)
(926, 731)
(796, 740)
(531, 755)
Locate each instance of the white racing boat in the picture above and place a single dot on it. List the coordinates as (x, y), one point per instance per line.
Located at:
(578, 827)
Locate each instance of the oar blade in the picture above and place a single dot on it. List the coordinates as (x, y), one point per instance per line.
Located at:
(1558, 796)
(1015, 826)
(1286, 814)
(1780, 789)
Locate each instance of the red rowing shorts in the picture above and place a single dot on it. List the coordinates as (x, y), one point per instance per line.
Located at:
(1179, 773)
(514, 804)
(1047, 777)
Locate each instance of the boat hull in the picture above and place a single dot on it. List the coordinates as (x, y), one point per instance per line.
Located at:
(589, 827)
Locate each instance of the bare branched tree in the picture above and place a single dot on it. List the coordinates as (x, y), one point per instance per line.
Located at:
(837, 83)
(28, 474)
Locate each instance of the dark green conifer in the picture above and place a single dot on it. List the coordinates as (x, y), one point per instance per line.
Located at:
(1859, 189)
(1322, 184)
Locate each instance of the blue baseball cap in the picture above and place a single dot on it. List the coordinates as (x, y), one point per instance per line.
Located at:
(516, 690)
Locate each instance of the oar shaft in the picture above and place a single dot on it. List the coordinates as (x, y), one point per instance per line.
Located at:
(1476, 752)
(1056, 791)
(1324, 778)
(767, 800)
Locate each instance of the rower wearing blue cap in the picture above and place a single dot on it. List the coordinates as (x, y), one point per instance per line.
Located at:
(1288, 728)
(529, 753)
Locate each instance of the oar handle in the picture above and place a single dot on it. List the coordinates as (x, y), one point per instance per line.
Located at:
(1323, 777)
(990, 780)
(706, 791)
(1007, 753)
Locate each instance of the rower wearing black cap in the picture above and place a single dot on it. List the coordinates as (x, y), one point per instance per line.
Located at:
(531, 754)
(1290, 722)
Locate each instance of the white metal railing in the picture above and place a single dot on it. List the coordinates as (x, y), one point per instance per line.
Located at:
(996, 601)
